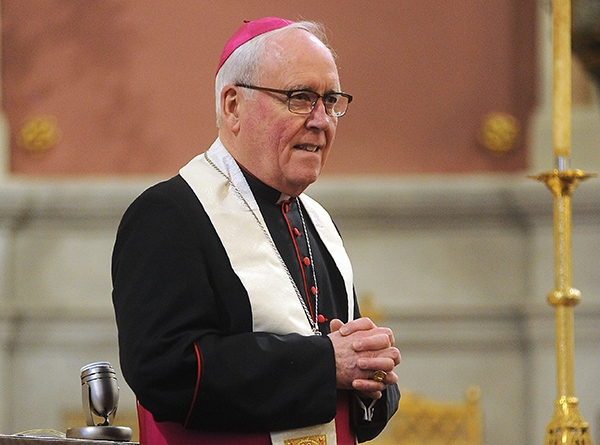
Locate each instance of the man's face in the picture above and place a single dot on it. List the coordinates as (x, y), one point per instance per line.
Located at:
(285, 150)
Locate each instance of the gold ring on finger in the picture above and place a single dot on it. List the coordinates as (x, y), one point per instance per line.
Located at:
(379, 376)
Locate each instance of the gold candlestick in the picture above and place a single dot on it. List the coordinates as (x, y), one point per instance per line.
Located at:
(566, 427)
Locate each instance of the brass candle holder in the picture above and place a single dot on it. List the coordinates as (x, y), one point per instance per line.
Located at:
(566, 427)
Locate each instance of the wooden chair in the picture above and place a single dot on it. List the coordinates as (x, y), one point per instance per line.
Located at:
(424, 421)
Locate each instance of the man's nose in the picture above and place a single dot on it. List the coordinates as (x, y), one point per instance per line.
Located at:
(318, 117)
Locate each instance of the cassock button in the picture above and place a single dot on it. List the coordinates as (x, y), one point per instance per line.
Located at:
(321, 318)
(297, 232)
(286, 207)
(306, 261)
(313, 290)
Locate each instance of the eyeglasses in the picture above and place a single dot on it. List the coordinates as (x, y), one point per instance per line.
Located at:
(304, 101)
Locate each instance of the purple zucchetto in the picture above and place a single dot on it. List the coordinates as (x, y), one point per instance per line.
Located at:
(248, 31)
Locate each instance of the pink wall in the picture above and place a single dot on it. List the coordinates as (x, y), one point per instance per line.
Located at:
(129, 85)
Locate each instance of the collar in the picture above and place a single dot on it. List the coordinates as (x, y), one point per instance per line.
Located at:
(263, 191)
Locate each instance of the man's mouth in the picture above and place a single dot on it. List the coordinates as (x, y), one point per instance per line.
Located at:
(309, 148)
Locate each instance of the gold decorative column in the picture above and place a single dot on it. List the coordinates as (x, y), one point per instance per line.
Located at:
(566, 427)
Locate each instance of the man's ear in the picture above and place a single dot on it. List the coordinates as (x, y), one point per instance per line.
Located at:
(230, 103)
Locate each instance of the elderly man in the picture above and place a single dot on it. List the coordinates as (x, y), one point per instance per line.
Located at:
(233, 293)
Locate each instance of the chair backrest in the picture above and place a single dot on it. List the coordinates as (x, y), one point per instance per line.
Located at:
(421, 420)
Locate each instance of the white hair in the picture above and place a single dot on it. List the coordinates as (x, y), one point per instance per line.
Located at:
(244, 64)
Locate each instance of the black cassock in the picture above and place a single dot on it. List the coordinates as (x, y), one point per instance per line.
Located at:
(186, 344)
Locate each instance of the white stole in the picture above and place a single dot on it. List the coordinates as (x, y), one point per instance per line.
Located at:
(274, 301)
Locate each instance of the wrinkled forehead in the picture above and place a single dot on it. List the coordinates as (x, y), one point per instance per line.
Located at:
(297, 55)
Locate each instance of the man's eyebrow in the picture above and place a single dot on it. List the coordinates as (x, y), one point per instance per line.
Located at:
(307, 88)
(301, 88)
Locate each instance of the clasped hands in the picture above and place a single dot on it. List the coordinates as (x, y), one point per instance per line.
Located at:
(361, 348)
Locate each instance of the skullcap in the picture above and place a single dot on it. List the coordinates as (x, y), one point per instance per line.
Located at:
(248, 31)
